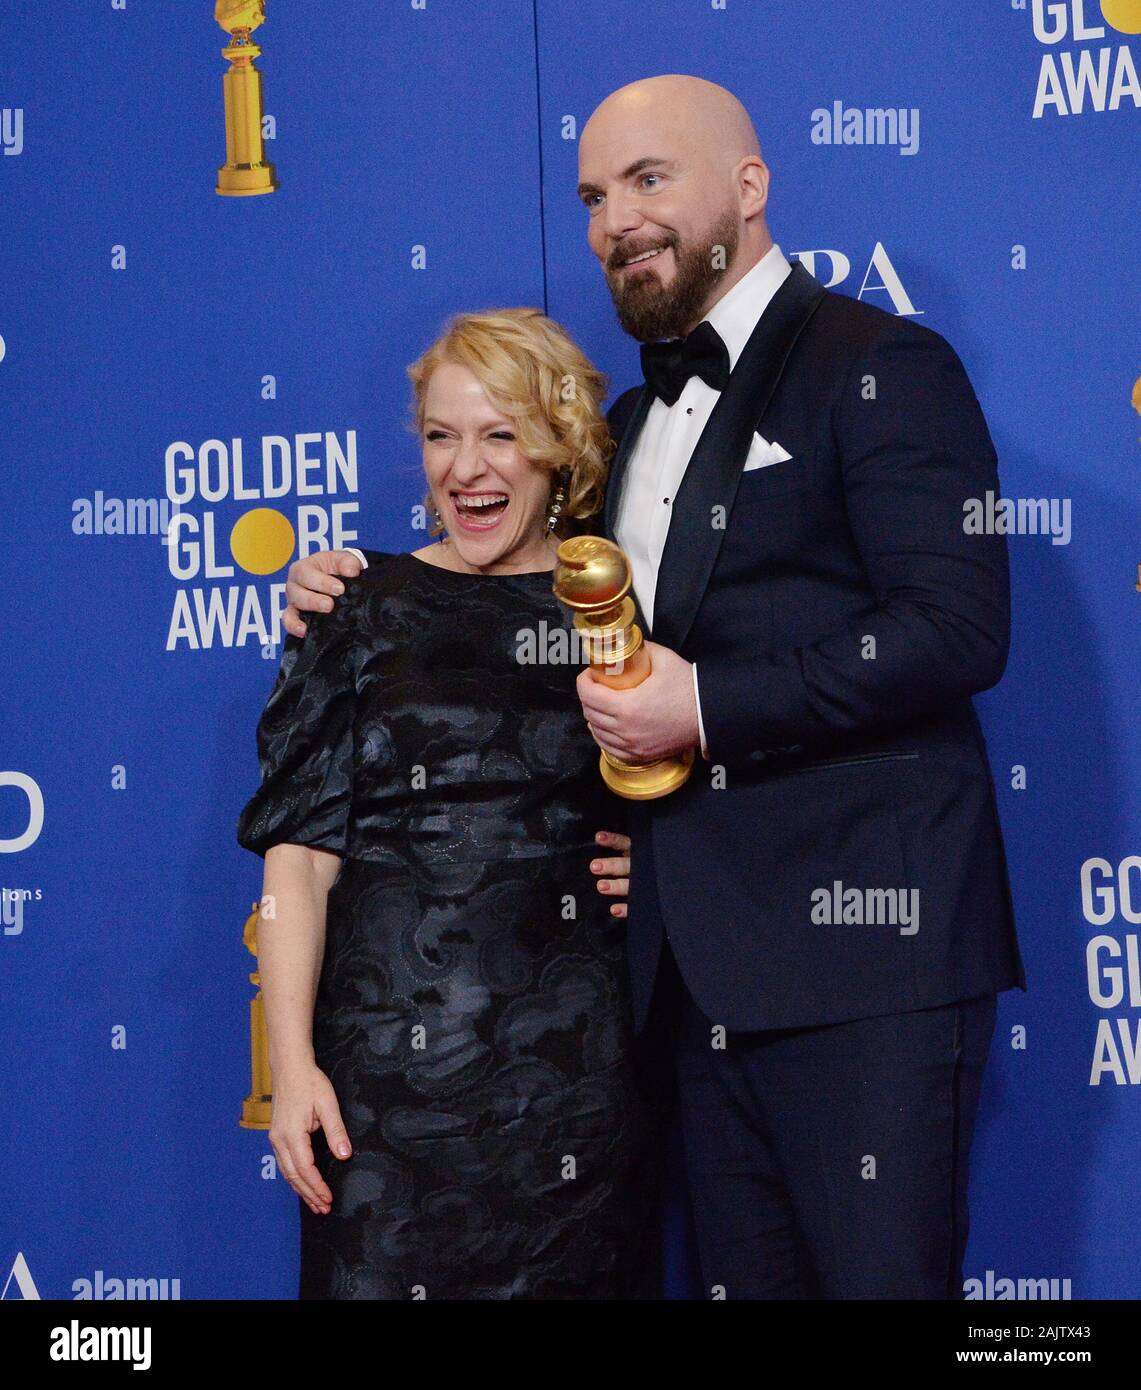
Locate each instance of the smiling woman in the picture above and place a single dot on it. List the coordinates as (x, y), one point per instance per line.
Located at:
(514, 443)
(446, 988)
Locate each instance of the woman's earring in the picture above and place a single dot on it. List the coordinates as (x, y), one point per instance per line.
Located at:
(439, 518)
(557, 501)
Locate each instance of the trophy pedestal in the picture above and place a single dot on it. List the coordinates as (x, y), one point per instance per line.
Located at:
(243, 181)
(257, 1112)
(645, 781)
(246, 171)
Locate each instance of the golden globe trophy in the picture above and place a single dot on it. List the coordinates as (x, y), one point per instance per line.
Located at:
(592, 579)
(245, 171)
(257, 1108)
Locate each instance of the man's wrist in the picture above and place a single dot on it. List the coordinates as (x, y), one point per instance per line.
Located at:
(359, 554)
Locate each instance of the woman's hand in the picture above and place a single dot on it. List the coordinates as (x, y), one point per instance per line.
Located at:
(304, 1100)
(617, 870)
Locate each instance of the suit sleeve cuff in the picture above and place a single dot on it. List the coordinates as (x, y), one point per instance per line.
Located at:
(700, 724)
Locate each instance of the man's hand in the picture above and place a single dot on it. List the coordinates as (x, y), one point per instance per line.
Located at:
(648, 721)
(310, 580)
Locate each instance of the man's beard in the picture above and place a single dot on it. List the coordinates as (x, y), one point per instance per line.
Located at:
(647, 309)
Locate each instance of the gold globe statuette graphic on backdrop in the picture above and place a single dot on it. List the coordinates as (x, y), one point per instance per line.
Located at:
(246, 171)
(261, 541)
(592, 578)
(257, 1108)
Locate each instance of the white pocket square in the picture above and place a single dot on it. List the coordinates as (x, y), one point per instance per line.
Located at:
(762, 453)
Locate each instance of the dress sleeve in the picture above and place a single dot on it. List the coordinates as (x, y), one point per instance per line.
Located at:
(305, 739)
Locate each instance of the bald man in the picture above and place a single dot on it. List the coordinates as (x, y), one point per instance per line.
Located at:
(820, 919)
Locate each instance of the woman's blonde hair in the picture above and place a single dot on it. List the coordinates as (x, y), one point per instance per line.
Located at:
(537, 375)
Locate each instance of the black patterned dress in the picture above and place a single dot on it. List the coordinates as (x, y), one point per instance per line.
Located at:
(472, 1010)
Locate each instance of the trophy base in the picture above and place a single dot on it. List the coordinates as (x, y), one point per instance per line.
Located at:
(645, 781)
(245, 180)
(257, 1111)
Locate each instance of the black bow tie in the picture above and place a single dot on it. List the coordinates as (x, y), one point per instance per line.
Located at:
(668, 366)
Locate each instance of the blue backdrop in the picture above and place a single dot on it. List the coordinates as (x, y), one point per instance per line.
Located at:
(158, 341)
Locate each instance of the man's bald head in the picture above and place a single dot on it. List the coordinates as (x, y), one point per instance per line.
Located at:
(709, 119)
(671, 172)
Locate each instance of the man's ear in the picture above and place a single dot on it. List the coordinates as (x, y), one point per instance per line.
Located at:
(753, 186)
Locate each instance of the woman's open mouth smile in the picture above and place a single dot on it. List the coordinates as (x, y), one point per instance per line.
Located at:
(479, 511)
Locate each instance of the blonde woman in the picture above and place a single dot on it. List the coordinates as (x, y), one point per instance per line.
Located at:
(445, 987)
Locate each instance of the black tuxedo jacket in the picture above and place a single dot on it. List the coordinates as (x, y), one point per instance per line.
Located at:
(840, 618)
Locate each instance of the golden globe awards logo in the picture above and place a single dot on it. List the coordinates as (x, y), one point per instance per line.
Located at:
(215, 539)
(1111, 897)
(1088, 65)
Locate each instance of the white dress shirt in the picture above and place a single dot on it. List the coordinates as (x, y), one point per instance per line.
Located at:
(669, 435)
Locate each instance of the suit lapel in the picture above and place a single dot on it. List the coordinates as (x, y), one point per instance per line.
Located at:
(616, 477)
(617, 472)
(714, 469)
